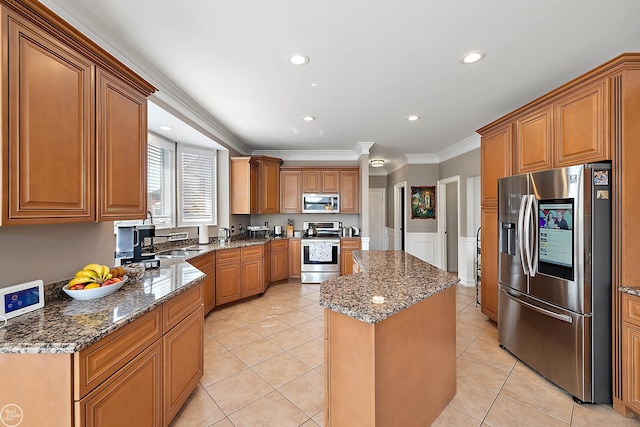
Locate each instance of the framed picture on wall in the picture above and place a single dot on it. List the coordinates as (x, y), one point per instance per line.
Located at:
(423, 202)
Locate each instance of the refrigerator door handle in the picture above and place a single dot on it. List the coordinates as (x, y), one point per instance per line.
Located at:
(562, 317)
(533, 239)
(527, 234)
(520, 230)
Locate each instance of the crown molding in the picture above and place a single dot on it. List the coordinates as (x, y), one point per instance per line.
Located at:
(310, 155)
(422, 159)
(460, 148)
(168, 95)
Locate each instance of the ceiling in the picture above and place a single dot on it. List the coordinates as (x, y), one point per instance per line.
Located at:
(224, 64)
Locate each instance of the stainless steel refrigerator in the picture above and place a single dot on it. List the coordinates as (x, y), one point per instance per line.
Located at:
(554, 304)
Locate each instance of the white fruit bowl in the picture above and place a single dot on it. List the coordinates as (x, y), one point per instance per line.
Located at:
(94, 293)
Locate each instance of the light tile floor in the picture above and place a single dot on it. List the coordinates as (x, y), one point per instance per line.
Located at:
(264, 367)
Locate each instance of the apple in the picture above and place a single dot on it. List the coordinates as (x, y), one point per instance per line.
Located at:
(108, 282)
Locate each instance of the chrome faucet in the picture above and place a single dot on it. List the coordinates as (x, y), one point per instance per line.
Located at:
(150, 216)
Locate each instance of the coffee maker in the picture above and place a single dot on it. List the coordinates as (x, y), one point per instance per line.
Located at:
(130, 240)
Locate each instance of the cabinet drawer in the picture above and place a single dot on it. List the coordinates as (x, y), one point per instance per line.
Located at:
(350, 244)
(181, 306)
(228, 255)
(99, 361)
(251, 252)
(631, 309)
(279, 245)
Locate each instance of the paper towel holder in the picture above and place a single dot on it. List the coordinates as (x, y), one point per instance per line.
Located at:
(203, 234)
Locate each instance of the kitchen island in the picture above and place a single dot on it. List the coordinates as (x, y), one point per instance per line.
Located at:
(129, 358)
(390, 341)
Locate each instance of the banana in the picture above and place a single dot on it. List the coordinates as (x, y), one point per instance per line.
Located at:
(105, 272)
(77, 280)
(97, 268)
(87, 273)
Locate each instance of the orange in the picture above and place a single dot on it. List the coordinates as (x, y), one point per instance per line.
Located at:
(92, 286)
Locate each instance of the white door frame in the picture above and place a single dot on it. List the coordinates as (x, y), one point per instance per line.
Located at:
(382, 191)
(399, 222)
(441, 211)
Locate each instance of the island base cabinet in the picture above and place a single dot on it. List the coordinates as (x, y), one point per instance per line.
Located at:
(405, 373)
(131, 398)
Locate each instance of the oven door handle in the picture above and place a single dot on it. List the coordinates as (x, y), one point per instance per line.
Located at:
(541, 310)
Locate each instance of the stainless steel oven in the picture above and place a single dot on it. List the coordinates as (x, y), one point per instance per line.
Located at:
(320, 251)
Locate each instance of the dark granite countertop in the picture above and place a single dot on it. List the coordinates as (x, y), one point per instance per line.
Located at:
(631, 290)
(66, 325)
(390, 281)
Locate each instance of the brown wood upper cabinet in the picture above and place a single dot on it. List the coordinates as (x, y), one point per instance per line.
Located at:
(350, 191)
(582, 125)
(320, 181)
(122, 149)
(495, 160)
(295, 181)
(255, 185)
(534, 136)
(290, 191)
(74, 113)
(574, 129)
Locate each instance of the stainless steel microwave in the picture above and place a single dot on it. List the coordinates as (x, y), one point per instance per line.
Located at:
(320, 203)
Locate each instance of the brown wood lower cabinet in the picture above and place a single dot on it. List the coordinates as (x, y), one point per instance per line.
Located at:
(347, 246)
(295, 256)
(279, 260)
(132, 397)
(183, 362)
(227, 275)
(252, 275)
(631, 351)
(207, 264)
(489, 283)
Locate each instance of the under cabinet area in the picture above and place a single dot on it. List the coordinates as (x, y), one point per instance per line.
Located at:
(56, 173)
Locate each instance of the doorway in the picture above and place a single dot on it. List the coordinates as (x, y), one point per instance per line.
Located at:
(399, 216)
(377, 218)
(448, 214)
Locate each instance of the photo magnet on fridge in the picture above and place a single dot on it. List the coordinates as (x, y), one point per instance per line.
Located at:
(600, 177)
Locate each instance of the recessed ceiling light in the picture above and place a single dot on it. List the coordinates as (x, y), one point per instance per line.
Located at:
(314, 84)
(298, 59)
(471, 57)
(413, 118)
(309, 118)
(166, 128)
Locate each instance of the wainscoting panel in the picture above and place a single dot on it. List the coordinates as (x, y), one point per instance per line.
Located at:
(424, 246)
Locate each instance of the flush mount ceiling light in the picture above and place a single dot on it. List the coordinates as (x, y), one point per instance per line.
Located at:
(309, 118)
(376, 163)
(471, 57)
(298, 59)
(413, 118)
(166, 127)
